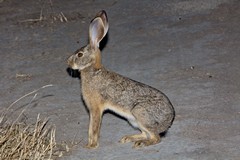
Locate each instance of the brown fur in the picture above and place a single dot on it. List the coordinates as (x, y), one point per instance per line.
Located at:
(145, 107)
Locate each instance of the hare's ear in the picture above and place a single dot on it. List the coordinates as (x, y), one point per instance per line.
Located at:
(98, 29)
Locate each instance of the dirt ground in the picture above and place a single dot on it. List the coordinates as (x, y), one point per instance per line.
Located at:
(187, 49)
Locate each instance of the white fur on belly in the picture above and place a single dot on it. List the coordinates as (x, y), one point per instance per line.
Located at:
(124, 113)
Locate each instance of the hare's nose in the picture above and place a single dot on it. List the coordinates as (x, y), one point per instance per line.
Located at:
(70, 60)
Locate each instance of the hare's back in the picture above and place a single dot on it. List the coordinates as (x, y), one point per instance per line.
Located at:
(128, 93)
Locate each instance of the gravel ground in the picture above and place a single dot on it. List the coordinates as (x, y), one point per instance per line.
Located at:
(187, 49)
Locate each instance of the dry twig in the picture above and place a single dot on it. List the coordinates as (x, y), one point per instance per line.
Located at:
(22, 141)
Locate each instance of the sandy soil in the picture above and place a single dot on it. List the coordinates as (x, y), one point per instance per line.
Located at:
(187, 49)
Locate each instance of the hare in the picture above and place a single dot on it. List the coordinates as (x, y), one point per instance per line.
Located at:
(145, 107)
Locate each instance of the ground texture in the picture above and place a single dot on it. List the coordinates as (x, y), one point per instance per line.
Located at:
(187, 49)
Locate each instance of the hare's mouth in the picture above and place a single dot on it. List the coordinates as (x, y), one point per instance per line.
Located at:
(71, 63)
(74, 66)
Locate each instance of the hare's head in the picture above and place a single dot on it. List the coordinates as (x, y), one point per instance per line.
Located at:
(90, 55)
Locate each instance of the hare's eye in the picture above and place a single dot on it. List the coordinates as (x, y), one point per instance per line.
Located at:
(80, 54)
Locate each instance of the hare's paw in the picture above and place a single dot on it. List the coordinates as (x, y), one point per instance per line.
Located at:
(143, 143)
(125, 139)
(91, 146)
(133, 138)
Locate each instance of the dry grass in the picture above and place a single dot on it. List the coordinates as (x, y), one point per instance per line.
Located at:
(21, 141)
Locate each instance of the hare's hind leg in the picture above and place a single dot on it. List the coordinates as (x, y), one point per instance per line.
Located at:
(146, 124)
(151, 140)
(133, 138)
(146, 138)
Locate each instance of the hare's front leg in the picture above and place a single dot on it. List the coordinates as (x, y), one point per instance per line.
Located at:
(94, 127)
